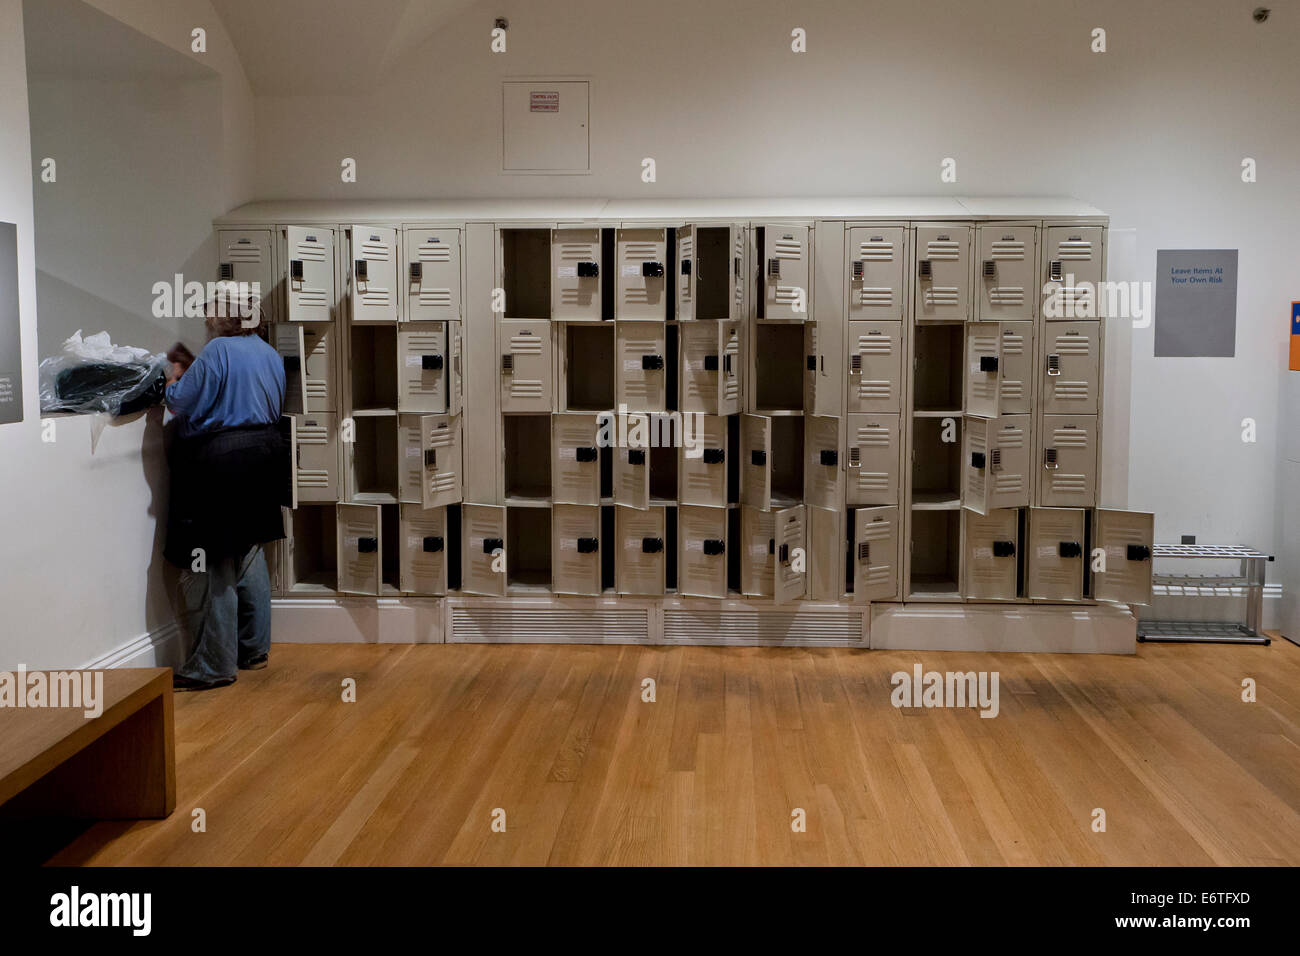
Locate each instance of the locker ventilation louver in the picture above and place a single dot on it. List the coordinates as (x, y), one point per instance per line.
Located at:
(480, 624)
(1007, 249)
(763, 628)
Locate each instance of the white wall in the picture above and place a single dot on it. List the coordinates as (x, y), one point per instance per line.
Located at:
(1153, 132)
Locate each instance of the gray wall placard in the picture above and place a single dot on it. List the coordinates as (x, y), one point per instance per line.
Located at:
(11, 340)
(1196, 303)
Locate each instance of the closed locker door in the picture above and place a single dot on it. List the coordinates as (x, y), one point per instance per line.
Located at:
(976, 475)
(685, 274)
(821, 392)
(431, 459)
(432, 279)
(875, 367)
(1006, 270)
(310, 279)
(758, 559)
(642, 377)
(575, 549)
(1016, 367)
(424, 550)
(789, 527)
(575, 459)
(702, 551)
(317, 457)
(876, 273)
(983, 378)
(318, 367)
(422, 379)
(755, 461)
(641, 281)
(1055, 558)
(942, 289)
(991, 547)
(525, 365)
(483, 550)
(784, 260)
(875, 554)
(1069, 462)
(639, 561)
(289, 343)
(823, 483)
(632, 477)
(245, 257)
(1072, 366)
(1074, 271)
(372, 274)
(825, 554)
(359, 549)
(729, 368)
(702, 362)
(575, 270)
(872, 460)
(702, 478)
(1009, 461)
(1126, 538)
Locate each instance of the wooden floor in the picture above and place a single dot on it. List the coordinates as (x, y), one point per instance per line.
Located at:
(558, 738)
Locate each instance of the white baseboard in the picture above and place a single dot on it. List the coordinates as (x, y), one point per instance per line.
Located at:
(162, 647)
(1077, 629)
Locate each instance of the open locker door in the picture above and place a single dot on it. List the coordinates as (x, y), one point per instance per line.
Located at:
(825, 552)
(288, 425)
(641, 280)
(423, 378)
(640, 558)
(372, 274)
(875, 554)
(1055, 554)
(755, 461)
(977, 480)
(440, 460)
(575, 459)
(702, 480)
(632, 477)
(359, 549)
(702, 551)
(685, 273)
(575, 271)
(1126, 538)
(790, 534)
(983, 379)
(575, 549)
(823, 474)
(290, 344)
(424, 550)
(455, 384)
(991, 563)
(310, 279)
(483, 534)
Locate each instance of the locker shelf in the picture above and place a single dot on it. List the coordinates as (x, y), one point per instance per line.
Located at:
(527, 456)
(373, 456)
(372, 364)
(935, 501)
(528, 550)
(936, 553)
(374, 413)
(937, 413)
(589, 367)
(373, 498)
(313, 552)
(526, 273)
(937, 376)
(779, 366)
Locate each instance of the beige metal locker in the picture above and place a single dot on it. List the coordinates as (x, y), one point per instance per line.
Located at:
(710, 367)
(483, 549)
(702, 479)
(825, 554)
(640, 351)
(526, 365)
(876, 273)
(423, 567)
(359, 529)
(1075, 269)
(244, 256)
(823, 374)
(316, 456)
(710, 272)
(639, 561)
(575, 459)
(942, 274)
(983, 378)
(755, 461)
(1016, 368)
(1072, 367)
(785, 257)
(996, 464)
(702, 551)
(640, 286)
(774, 562)
(631, 476)
(823, 475)
(1006, 271)
(1068, 461)
(875, 367)
(431, 459)
(318, 367)
(990, 565)
(875, 554)
(289, 343)
(372, 274)
(425, 377)
(1055, 558)
(575, 549)
(310, 279)
(575, 272)
(872, 465)
(1126, 538)
(432, 279)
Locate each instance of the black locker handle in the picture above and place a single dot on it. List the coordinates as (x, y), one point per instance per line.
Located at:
(431, 458)
(829, 457)
(652, 545)
(714, 456)
(686, 267)
(977, 459)
(588, 545)
(1069, 549)
(988, 363)
(432, 544)
(812, 363)
(430, 363)
(367, 545)
(652, 270)
(710, 363)
(636, 456)
(758, 457)
(1138, 552)
(1004, 549)
(714, 546)
(588, 270)
(652, 362)
(585, 453)
(492, 544)
(783, 554)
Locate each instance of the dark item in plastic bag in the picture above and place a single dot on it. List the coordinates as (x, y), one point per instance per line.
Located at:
(68, 384)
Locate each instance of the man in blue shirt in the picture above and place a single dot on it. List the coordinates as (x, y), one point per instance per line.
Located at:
(229, 473)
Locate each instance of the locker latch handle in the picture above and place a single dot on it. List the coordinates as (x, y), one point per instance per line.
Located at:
(771, 545)
(226, 270)
(292, 363)
(652, 362)
(1049, 459)
(430, 362)
(584, 453)
(924, 269)
(431, 458)
(774, 268)
(1004, 549)
(859, 269)
(990, 269)
(1069, 549)
(588, 270)
(714, 456)
(812, 363)
(855, 457)
(977, 459)
(295, 269)
(432, 544)
(652, 270)
(492, 544)
(714, 546)
(829, 457)
(726, 363)
(855, 364)
(367, 545)
(864, 550)
(588, 545)
(417, 272)
(1054, 271)
(686, 267)
(362, 271)
(710, 363)
(783, 554)
(736, 266)
(636, 456)
(1053, 365)
(508, 363)
(758, 457)
(988, 363)
(652, 545)
(1138, 552)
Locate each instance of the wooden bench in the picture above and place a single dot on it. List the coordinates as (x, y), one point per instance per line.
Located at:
(56, 762)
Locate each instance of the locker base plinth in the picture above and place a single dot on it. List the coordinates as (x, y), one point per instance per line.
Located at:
(1050, 628)
(356, 619)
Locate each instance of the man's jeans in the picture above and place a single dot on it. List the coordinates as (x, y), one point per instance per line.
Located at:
(228, 609)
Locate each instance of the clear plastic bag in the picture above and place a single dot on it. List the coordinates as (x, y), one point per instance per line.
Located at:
(93, 376)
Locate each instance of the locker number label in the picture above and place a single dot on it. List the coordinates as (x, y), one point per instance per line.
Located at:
(566, 272)
(630, 272)
(568, 454)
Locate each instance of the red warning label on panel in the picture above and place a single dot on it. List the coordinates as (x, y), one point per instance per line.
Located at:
(544, 101)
